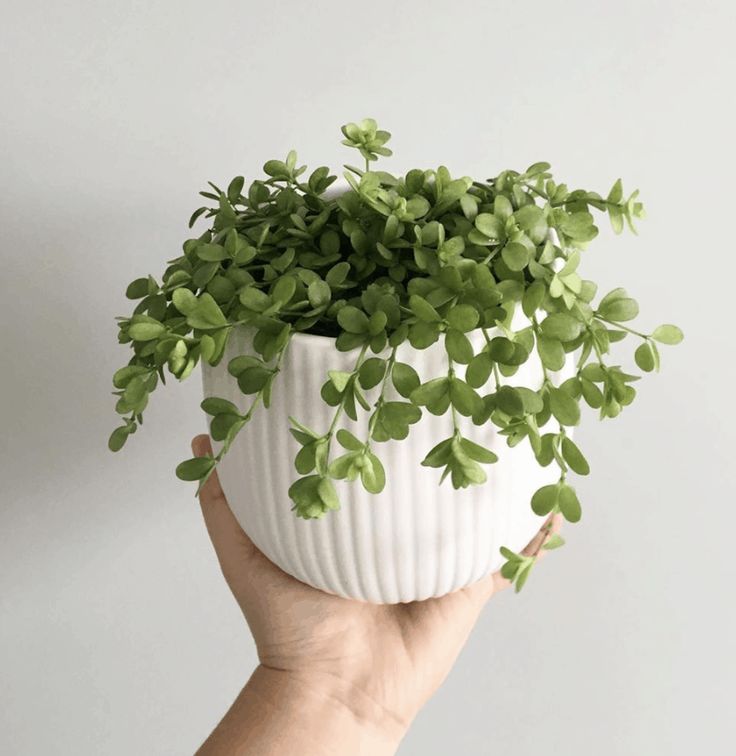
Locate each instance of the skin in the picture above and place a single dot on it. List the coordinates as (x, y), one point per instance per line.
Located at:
(335, 676)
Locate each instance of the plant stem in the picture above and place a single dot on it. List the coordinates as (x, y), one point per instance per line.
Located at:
(535, 325)
(341, 406)
(546, 530)
(381, 397)
(257, 399)
(496, 375)
(622, 327)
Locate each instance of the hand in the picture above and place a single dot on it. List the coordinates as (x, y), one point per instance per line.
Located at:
(380, 662)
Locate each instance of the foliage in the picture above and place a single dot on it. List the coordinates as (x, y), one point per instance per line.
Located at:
(418, 258)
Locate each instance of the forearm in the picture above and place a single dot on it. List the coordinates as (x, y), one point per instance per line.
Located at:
(283, 714)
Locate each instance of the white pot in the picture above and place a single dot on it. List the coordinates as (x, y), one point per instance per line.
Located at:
(414, 540)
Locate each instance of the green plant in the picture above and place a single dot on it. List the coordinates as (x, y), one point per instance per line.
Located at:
(416, 258)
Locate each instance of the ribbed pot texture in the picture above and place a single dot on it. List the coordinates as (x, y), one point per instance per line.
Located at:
(414, 540)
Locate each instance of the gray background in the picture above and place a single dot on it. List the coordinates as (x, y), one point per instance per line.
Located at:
(117, 634)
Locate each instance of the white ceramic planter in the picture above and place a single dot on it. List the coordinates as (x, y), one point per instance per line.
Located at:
(414, 540)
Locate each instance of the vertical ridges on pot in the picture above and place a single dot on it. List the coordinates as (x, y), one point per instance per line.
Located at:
(415, 540)
(402, 512)
(304, 370)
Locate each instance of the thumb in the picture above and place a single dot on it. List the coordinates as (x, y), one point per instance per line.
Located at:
(231, 543)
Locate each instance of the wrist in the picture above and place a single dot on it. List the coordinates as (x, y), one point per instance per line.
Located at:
(329, 712)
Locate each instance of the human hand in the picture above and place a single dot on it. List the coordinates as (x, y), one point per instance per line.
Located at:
(380, 663)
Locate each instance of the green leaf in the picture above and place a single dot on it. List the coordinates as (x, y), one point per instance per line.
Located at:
(616, 193)
(564, 407)
(510, 401)
(533, 298)
(465, 400)
(215, 406)
(211, 252)
(306, 458)
(340, 379)
(423, 335)
(319, 293)
(463, 318)
(594, 372)
(283, 290)
(208, 314)
(645, 357)
(235, 187)
(337, 274)
(423, 309)
(522, 574)
(612, 295)
(430, 392)
(579, 226)
(667, 334)
(123, 376)
(307, 494)
(195, 468)
(469, 206)
(515, 255)
(137, 289)
(327, 494)
(238, 364)
(574, 457)
(204, 273)
(591, 393)
(377, 323)
(146, 331)
(348, 441)
(329, 243)
(458, 346)
(394, 419)
(440, 454)
(568, 503)
(222, 425)
(555, 541)
(118, 438)
(536, 168)
(545, 499)
(546, 452)
(479, 370)
(184, 301)
(532, 401)
(530, 218)
(510, 569)
(489, 225)
(405, 379)
(372, 474)
(477, 452)
(253, 379)
(371, 372)
(276, 169)
(562, 326)
(254, 299)
(352, 320)
(619, 310)
(346, 466)
(551, 353)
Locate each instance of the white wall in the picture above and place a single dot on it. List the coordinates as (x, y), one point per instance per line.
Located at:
(117, 635)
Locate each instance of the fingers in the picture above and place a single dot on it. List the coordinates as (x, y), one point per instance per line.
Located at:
(230, 541)
(533, 548)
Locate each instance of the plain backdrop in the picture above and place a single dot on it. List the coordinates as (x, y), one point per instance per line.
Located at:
(117, 633)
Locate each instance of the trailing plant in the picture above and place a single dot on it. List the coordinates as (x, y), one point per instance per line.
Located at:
(418, 258)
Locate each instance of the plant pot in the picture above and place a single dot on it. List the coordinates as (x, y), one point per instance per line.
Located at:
(416, 539)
